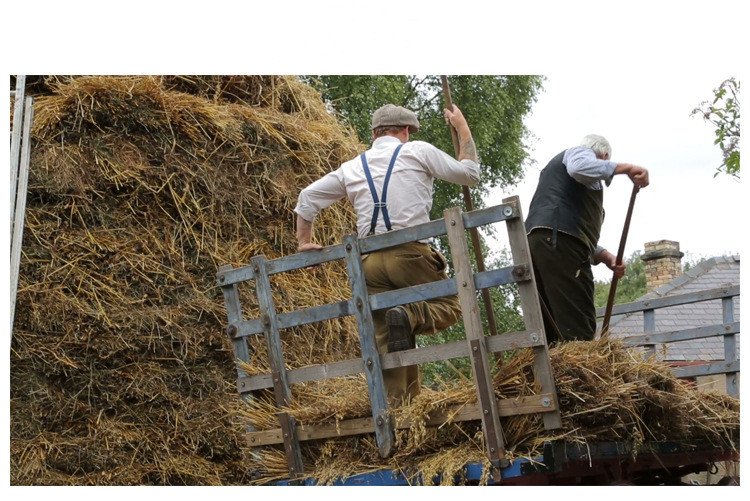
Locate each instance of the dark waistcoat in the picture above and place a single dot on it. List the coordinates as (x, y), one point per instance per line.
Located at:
(561, 203)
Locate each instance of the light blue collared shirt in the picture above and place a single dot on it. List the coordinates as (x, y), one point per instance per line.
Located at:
(584, 167)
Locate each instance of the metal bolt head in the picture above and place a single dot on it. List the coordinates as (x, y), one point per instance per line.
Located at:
(232, 330)
(486, 411)
(369, 362)
(534, 337)
(507, 211)
(546, 402)
(348, 247)
(453, 222)
(464, 284)
(222, 278)
(379, 421)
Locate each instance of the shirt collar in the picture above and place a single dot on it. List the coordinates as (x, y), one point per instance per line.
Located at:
(383, 141)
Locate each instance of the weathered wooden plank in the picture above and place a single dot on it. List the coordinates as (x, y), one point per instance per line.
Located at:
(649, 327)
(682, 335)
(479, 356)
(458, 413)
(291, 445)
(234, 316)
(281, 390)
(422, 355)
(15, 140)
(434, 228)
(384, 300)
(730, 346)
(382, 241)
(283, 264)
(489, 215)
(267, 311)
(663, 302)
(20, 205)
(369, 244)
(532, 313)
(686, 371)
(384, 434)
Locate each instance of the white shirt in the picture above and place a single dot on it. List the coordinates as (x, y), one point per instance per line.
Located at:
(409, 197)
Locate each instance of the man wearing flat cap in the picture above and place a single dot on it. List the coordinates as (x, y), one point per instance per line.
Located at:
(390, 187)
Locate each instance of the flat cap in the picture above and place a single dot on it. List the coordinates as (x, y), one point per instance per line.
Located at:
(397, 116)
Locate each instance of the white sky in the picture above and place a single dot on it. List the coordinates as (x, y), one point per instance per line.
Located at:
(648, 122)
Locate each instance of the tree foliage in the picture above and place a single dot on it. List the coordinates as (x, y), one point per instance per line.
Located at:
(629, 288)
(724, 114)
(494, 106)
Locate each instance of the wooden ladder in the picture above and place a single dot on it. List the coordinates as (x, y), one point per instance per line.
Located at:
(476, 347)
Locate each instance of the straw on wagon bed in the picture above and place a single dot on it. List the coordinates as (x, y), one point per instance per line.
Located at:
(606, 392)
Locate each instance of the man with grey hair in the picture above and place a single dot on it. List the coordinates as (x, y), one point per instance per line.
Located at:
(563, 226)
(390, 187)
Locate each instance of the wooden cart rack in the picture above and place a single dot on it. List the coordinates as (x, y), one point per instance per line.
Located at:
(476, 347)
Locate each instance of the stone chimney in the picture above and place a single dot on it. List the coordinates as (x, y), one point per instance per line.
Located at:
(663, 263)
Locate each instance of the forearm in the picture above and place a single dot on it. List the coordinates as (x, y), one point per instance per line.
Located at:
(304, 231)
(466, 147)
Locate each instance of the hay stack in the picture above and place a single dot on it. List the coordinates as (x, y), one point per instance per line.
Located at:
(140, 187)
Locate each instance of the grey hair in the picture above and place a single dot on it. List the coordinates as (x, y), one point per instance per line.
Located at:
(599, 144)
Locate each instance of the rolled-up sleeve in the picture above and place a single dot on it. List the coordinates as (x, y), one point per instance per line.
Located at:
(445, 167)
(583, 166)
(319, 195)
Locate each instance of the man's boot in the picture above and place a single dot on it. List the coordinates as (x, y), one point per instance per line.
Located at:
(399, 330)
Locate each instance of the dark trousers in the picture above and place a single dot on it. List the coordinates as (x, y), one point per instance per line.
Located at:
(565, 282)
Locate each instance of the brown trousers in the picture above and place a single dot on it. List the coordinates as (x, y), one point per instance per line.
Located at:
(407, 265)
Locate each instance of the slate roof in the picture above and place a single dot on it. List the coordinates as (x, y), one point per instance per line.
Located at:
(711, 274)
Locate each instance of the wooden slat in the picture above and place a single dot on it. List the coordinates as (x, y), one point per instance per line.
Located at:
(20, 206)
(284, 264)
(15, 140)
(686, 371)
(281, 390)
(532, 313)
(432, 229)
(369, 244)
(422, 355)
(682, 335)
(479, 355)
(730, 346)
(373, 371)
(649, 327)
(455, 414)
(663, 302)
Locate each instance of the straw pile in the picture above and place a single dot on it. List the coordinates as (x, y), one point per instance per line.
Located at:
(606, 393)
(140, 187)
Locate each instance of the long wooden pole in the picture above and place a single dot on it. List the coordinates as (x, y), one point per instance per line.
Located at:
(620, 252)
(470, 207)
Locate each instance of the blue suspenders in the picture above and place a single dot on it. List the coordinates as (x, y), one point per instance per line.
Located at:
(380, 204)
